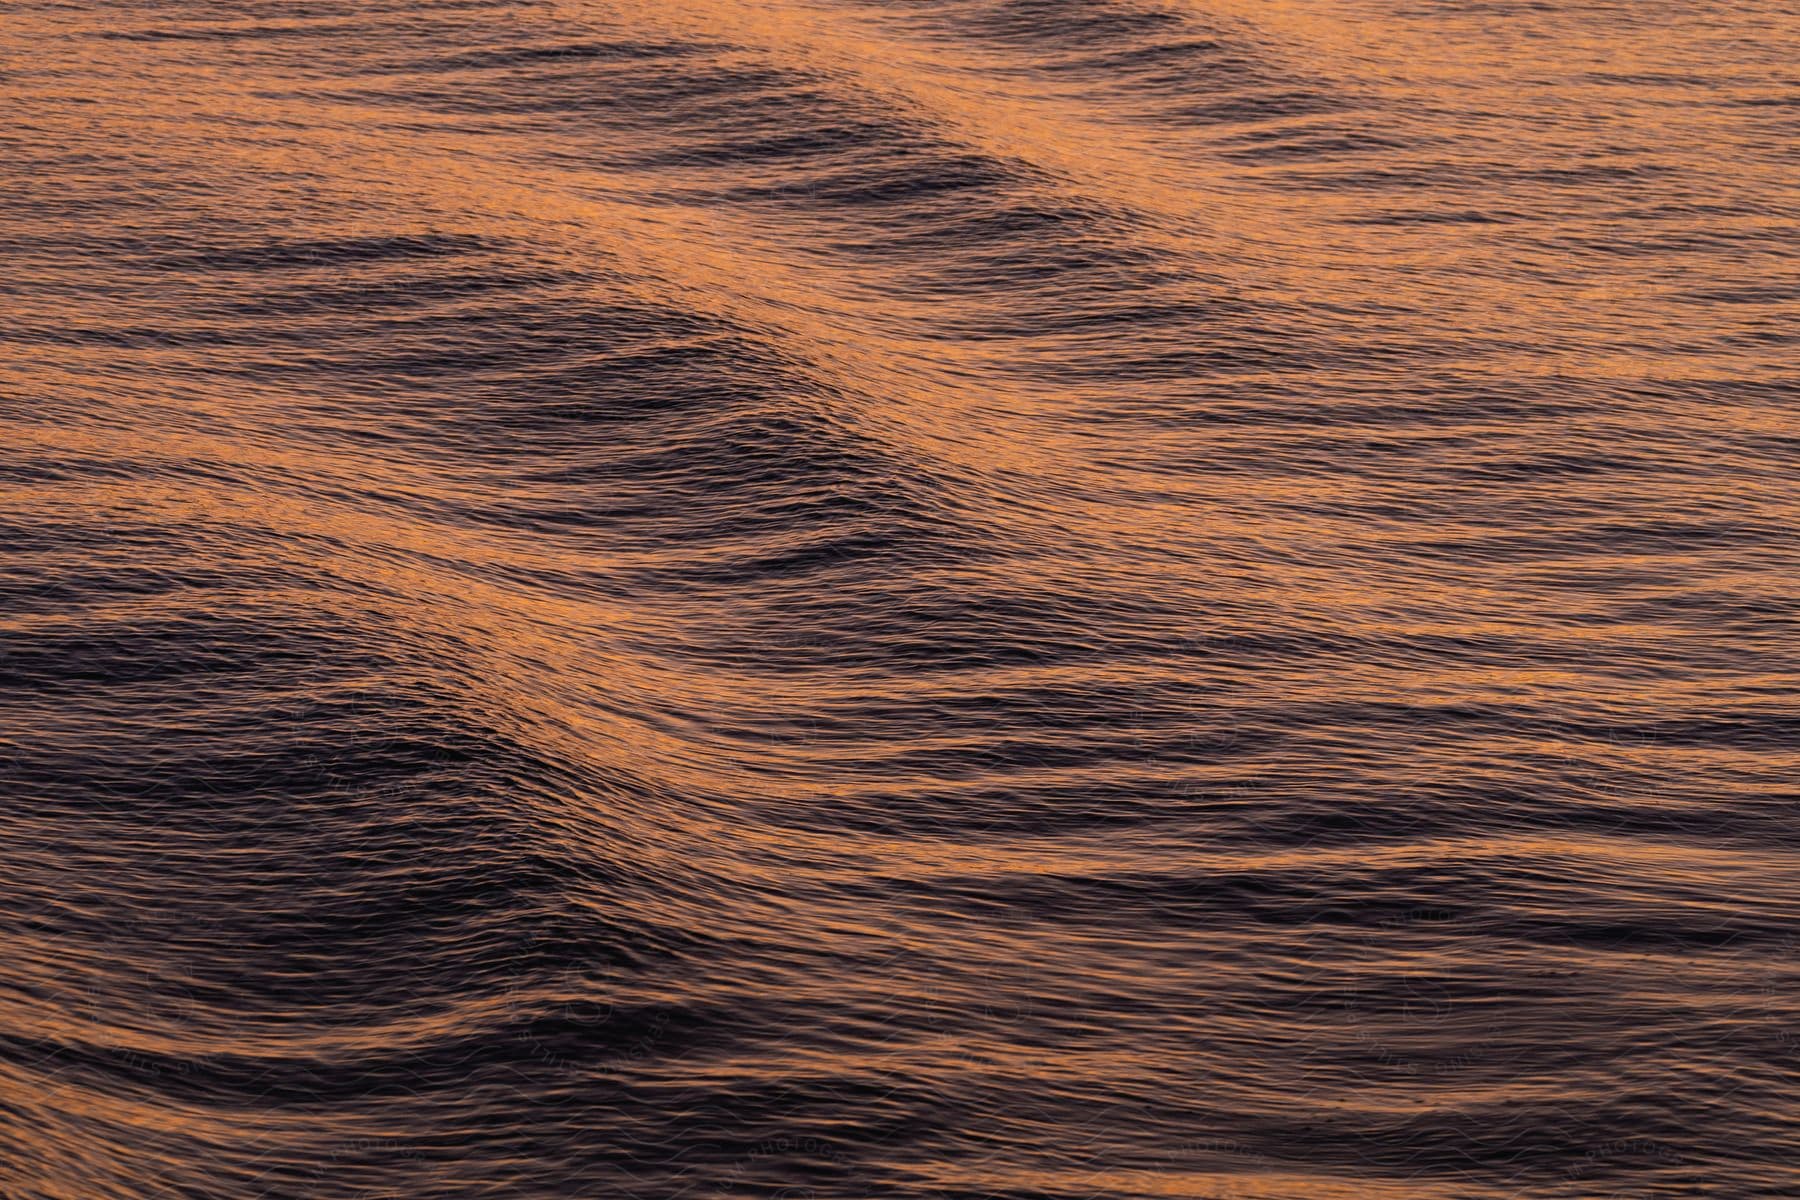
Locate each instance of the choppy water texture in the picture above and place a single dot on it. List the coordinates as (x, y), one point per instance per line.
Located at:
(839, 598)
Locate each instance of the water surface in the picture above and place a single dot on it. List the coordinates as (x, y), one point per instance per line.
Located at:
(1026, 599)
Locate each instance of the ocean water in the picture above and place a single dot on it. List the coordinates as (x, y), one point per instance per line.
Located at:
(1012, 599)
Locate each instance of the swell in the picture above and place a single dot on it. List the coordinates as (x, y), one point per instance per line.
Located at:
(1027, 599)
